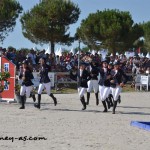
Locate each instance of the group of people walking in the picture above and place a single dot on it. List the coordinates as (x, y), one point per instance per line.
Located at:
(26, 77)
(109, 84)
(106, 80)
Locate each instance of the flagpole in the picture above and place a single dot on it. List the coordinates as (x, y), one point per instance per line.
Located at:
(79, 56)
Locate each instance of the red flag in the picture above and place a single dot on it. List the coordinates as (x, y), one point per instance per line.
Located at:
(139, 50)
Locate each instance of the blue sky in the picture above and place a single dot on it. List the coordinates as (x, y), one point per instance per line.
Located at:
(139, 9)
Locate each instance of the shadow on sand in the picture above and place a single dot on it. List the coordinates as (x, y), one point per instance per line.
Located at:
(72, 110)
(134, 107)
(134, 113)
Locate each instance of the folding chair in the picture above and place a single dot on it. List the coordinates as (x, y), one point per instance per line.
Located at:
(144, 82)
(137, 81)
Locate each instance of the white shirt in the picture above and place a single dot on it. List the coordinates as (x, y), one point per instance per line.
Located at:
(81, 72)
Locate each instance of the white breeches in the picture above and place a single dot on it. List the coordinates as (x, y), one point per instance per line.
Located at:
(26, 89)
(81, 91)
(104, 92)
(47, 86)
(92, 84)
(116, 92)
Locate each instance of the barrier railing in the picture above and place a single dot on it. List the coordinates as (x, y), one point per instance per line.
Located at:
(55, 77)
(63, 78)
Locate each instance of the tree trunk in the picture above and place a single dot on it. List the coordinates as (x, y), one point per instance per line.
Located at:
(113, 49)
(114, 52)
(52, 47)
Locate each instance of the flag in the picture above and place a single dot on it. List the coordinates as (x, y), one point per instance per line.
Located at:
(139, 50)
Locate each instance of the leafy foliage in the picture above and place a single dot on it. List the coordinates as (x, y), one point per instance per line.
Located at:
(49, 21)
(112, 29)
(146, 28)
(9, 12)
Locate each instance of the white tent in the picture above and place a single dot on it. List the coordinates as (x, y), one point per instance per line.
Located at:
(99, 52)
(72, 51)
(56, 51)
(117, 54)
(48, 50)
(148, 56)
(77, 52)
(93, 52)
(104, 53)
(34, 48)
(129, 54)
(60, 51)
(139, 54)
(111, 54)
(142, 55)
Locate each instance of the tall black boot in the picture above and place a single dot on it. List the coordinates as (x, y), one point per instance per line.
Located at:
(82, 99)
(110, 97)
(97, 100)
(108, 104)
(39, 102)
(22, 102)
(54, 99)
(105, 107)
(88, 98)
(33, 97)
(119, 99)
(114, 107)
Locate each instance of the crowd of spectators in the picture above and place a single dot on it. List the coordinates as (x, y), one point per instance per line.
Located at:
(134, 65)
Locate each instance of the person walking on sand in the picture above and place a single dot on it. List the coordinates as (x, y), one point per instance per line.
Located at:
(93, 82)
(117, 82)
(104, 84)
(26, 85)
(82, 78)
(44, 82)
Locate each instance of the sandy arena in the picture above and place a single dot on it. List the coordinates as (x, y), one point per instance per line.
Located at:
(66, 127)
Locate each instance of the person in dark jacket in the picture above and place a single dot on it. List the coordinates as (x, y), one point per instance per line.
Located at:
(118, 80)
(26, 86)
(82, 78)
(44, 82)
(110, 97)
(93, 82)
(73, 73)
(104, 84)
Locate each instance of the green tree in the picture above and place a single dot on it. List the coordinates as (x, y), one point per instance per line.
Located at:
(49, 21)
(111, 29)
(146, 28)
(9, 12)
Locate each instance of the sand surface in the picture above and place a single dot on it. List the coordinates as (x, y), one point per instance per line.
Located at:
(66, 127)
